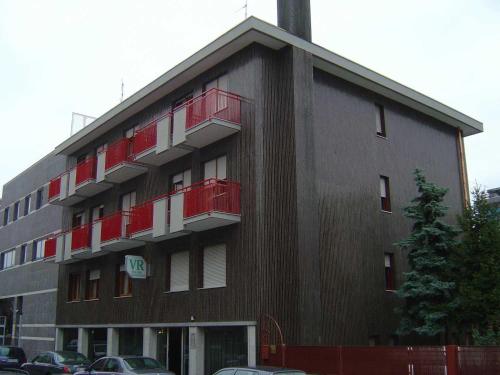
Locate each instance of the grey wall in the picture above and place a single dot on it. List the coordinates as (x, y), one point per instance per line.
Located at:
(29, 279)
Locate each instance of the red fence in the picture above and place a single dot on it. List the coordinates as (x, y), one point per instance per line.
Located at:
(145, 138)
(141, 218)
(380, 360)
(85, 171)
(213, 104)
(54, 187)
(80, 237)
(212, 195)
(111, 226)
(118, 152)
(50, 247)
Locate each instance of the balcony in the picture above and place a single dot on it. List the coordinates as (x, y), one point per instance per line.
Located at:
(152, 144)
(150, 221)
(50, 248)
(85, 183)
(206, 205)
(114, 232)
(81, 247)
(119, 162)
(59, 190)
(206, 119)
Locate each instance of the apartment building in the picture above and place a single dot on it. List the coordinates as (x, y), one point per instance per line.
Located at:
(264, 175)
(28, 283)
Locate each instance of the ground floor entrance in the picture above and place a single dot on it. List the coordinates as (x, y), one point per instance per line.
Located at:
(184, 350)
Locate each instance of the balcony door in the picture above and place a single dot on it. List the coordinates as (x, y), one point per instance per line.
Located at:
(221, 84)
(126, 203)
(181, 180)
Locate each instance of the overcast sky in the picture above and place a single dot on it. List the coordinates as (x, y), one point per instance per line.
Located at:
(59, 57)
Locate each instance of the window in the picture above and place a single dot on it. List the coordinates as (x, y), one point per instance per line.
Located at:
(24, 254)
(74, 287)
(123, 282)
(216, 168)
(214, 266)
(380, 120)
(181, 180)
(385, 194)
(92, 284)
(37, 250)
(8, 259)
(127, 201)
(27, 204)
(6, 216)
(15, 214)
(97, 213)
(178, 269)
(39, 198)
(77, 220)
(389, 271)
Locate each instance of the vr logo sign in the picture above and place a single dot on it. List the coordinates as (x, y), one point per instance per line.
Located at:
(135, 266)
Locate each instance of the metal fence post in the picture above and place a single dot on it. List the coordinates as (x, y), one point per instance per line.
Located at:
(452, 360)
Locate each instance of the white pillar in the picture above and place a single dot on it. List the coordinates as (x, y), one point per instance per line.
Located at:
(112, 342)
(196, 351)
(149, 343)
(83, 341)
(59, 339)
(252, 345)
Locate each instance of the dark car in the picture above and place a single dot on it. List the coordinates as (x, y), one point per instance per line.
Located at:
(126, 365)
(13, 371)
(261, 370)
(11, 357)
(49, 363)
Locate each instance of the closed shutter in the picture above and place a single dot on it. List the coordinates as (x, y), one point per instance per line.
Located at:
(214, 266)
(211, 169)
(179, 271)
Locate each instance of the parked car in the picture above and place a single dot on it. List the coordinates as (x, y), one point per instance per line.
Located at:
(126, 365)
(11, 357)
(13, 371)
(261, 370)
(49, 363)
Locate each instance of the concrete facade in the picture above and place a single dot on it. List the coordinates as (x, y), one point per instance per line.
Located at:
(30, 285)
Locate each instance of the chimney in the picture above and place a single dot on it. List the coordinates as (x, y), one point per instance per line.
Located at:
(295, 17)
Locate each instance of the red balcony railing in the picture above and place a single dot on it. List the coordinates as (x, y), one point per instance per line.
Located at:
(212, 195)
(145, 138)
(80, 237)
(141, 218)
(213, 103)
(86, 171)
(118, 152)
(54, 187)
(112, 226)
(50, 247)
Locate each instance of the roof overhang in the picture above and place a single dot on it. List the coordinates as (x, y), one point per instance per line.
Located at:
(253, 30)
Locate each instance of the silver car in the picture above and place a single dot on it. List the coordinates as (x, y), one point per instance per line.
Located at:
(125, 365)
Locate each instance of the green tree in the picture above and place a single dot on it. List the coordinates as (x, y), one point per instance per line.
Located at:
(428, 290)
(477, 262)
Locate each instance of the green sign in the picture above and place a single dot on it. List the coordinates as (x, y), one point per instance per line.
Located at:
(135, 266)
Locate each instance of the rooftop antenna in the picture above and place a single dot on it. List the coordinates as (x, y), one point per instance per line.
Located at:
(121, 98)
(244, 7)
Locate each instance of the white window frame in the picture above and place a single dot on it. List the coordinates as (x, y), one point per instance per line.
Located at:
(9, 259)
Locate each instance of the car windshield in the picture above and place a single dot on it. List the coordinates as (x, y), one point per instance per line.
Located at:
(66, 357)
(4, 352)
(142, 363)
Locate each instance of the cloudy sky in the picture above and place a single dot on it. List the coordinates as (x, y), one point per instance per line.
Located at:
(59, 57)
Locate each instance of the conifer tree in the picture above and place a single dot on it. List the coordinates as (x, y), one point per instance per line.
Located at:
(428, 290)
(477, 263)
